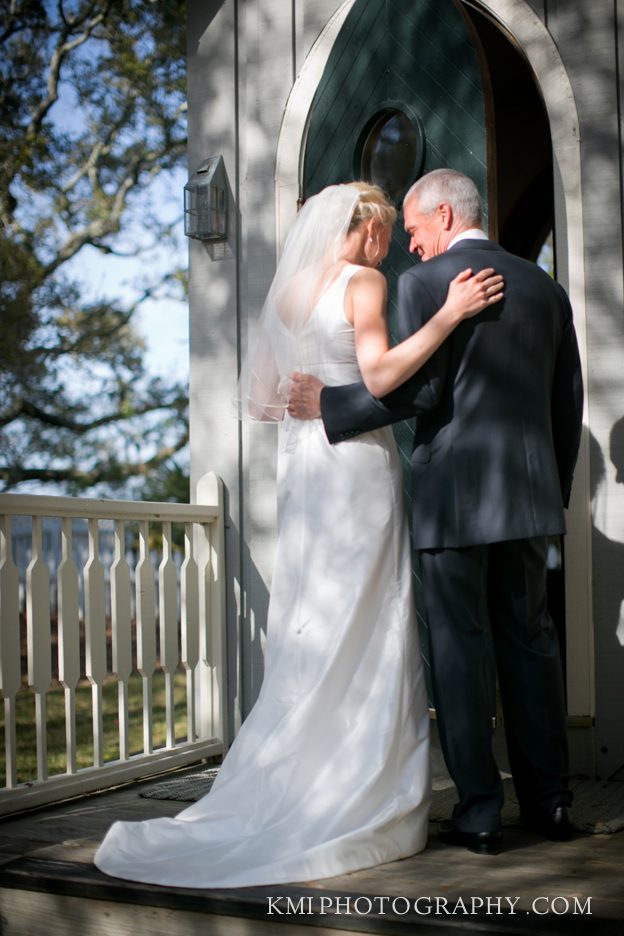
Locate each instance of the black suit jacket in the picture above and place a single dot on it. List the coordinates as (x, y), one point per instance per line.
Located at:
(498, 407)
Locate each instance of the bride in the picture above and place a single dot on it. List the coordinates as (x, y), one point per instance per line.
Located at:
(330, 771)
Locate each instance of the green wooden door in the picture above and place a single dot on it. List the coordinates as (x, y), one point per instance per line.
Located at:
(401, 94)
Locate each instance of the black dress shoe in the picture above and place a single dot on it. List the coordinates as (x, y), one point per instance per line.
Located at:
(483, 843)
(555, 826)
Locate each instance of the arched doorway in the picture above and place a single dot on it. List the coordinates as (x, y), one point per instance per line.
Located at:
(534, 54)
(521, 192)
(402, 93)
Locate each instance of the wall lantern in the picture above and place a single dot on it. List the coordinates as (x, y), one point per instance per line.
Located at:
(205, 202)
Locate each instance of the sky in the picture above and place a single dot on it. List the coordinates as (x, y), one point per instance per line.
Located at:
(163, 323)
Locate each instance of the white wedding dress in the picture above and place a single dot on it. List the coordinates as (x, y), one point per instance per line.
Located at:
(330, 771)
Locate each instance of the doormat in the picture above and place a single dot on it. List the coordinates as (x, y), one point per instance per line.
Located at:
(598, 805)
(187, 788)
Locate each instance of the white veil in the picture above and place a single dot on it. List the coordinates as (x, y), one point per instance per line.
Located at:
(312, 247)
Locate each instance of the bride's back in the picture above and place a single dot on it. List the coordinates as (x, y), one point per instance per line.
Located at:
(326, 345)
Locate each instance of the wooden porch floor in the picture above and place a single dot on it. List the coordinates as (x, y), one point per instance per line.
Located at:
(49, 887)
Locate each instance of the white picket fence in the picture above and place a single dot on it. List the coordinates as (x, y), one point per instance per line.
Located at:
(172, 612)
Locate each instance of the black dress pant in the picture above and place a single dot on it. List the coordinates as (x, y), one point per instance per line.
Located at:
(495, 595)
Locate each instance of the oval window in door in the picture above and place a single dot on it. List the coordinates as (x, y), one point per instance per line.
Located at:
(392, 149)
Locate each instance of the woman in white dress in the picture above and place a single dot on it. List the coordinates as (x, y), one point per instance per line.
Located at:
(330, 771)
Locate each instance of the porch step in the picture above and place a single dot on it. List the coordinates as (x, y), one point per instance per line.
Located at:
(48, 896)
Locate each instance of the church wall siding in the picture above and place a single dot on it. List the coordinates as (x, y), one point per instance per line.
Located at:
(214, 287)
(592, 65)
(246, 56)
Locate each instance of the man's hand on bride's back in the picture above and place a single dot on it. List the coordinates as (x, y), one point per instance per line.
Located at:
(304, 398)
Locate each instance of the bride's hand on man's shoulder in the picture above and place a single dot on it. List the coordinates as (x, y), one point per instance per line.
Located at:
(304, 397)
(471, 294)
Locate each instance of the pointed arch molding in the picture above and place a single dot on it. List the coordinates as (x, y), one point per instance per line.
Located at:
(528, 32)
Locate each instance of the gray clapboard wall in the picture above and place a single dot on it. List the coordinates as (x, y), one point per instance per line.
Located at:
(246, 60)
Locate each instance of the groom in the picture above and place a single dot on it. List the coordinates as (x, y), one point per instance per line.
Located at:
(499, 411)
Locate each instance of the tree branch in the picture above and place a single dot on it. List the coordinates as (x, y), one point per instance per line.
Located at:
(60, 53)
(26, 409)
(93, 233)
(108, 473)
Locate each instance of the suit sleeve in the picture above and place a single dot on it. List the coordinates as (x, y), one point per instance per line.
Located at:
(349, 410)
(567, 403)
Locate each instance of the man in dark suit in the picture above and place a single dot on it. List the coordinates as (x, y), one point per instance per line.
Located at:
(499, 410)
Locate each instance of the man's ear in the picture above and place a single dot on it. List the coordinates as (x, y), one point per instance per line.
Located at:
(445, 213)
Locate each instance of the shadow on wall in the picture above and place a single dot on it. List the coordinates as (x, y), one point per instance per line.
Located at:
(203, 13)
(246, 635)
(608, 576)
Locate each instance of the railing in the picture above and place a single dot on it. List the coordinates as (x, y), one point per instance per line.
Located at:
(154, 611)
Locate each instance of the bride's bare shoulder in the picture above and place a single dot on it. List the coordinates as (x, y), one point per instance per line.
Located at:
(368, 278)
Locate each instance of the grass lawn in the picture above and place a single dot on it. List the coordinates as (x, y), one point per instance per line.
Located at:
(55, 701)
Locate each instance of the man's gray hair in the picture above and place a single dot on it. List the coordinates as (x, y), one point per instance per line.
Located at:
(452, 188)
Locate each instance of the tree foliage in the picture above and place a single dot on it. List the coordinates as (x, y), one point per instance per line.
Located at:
(92, 104)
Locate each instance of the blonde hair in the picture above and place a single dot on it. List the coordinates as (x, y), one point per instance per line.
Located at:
(372, 203)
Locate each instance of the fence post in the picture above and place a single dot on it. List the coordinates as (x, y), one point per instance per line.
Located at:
(10, 665)
(212, 676)
(39, 629)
